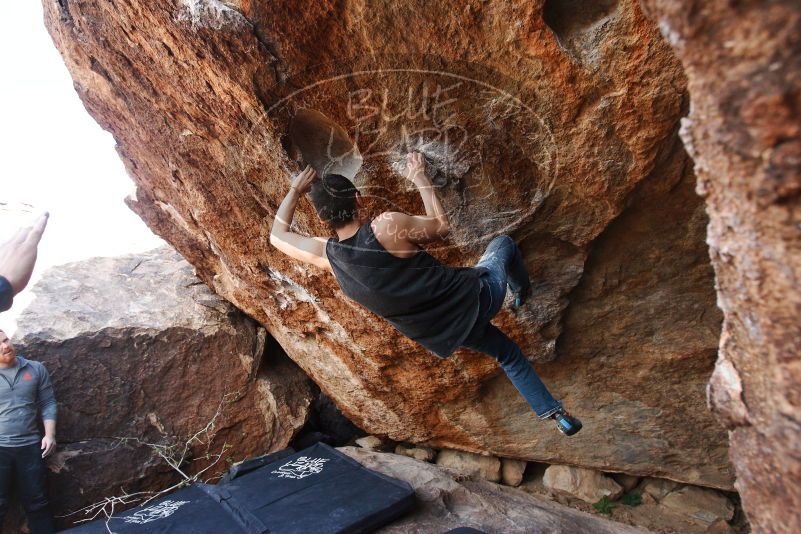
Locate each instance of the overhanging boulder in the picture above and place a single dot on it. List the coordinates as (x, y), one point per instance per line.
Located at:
(564, 136)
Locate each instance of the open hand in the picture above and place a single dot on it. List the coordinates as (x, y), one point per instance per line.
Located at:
(48, 446)
(415, 165)
(302, 183)
(18, 254)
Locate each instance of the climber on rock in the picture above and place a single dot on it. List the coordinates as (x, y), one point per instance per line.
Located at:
(379, 263)
(17, 258)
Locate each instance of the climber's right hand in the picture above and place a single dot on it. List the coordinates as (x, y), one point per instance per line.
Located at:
(415, 166)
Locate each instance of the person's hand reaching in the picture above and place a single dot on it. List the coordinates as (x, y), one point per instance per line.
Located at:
(415, 165)
(18, 254)
(302, 183)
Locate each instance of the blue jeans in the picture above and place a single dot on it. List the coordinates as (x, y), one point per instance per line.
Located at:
(503, 264)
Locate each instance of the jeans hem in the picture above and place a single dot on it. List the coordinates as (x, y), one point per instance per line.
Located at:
(549, 413)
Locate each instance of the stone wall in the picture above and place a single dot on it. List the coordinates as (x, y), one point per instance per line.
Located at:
(743, 63)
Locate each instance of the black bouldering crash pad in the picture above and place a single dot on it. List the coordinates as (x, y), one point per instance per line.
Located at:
(251, 464)
(188, 510)
(318, 490)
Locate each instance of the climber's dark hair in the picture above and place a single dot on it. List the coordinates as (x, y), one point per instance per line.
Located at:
(334, 198)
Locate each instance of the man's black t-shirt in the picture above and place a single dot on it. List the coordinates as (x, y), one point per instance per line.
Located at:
(431, 303)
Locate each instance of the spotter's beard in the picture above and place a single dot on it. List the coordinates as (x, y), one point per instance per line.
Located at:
(7, 356)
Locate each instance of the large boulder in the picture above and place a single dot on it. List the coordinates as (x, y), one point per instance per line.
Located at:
(447, 500)
(743, 63)
(145, 362)
(553, 121)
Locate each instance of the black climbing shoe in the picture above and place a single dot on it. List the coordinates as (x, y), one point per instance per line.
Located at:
(566, 423)
(520, 297)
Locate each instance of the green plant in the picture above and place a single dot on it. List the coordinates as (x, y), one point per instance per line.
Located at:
(604, 506)
(632, 499)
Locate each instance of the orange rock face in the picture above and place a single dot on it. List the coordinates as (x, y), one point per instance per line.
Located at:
(552, 121)
(743, 62)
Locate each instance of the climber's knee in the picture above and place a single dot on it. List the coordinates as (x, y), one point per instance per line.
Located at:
(508, 245)
(503, 239)
(510, 356)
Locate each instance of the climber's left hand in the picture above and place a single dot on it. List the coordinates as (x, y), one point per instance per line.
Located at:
(302, 183)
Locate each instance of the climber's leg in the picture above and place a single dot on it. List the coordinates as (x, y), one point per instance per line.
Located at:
(504, 264)
(495, 343)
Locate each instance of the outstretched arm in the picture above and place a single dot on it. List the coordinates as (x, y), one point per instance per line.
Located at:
(303, 248)
(434, 210)
(18, 254)
(418, 229)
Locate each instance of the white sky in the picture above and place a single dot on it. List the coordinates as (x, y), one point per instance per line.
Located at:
(54, 156)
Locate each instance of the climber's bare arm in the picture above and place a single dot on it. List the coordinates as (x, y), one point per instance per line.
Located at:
(399, 230)
(303, 248)
(400, 233)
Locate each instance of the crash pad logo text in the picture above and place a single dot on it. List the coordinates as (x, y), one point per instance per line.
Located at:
(158, 511)
(301, 468)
